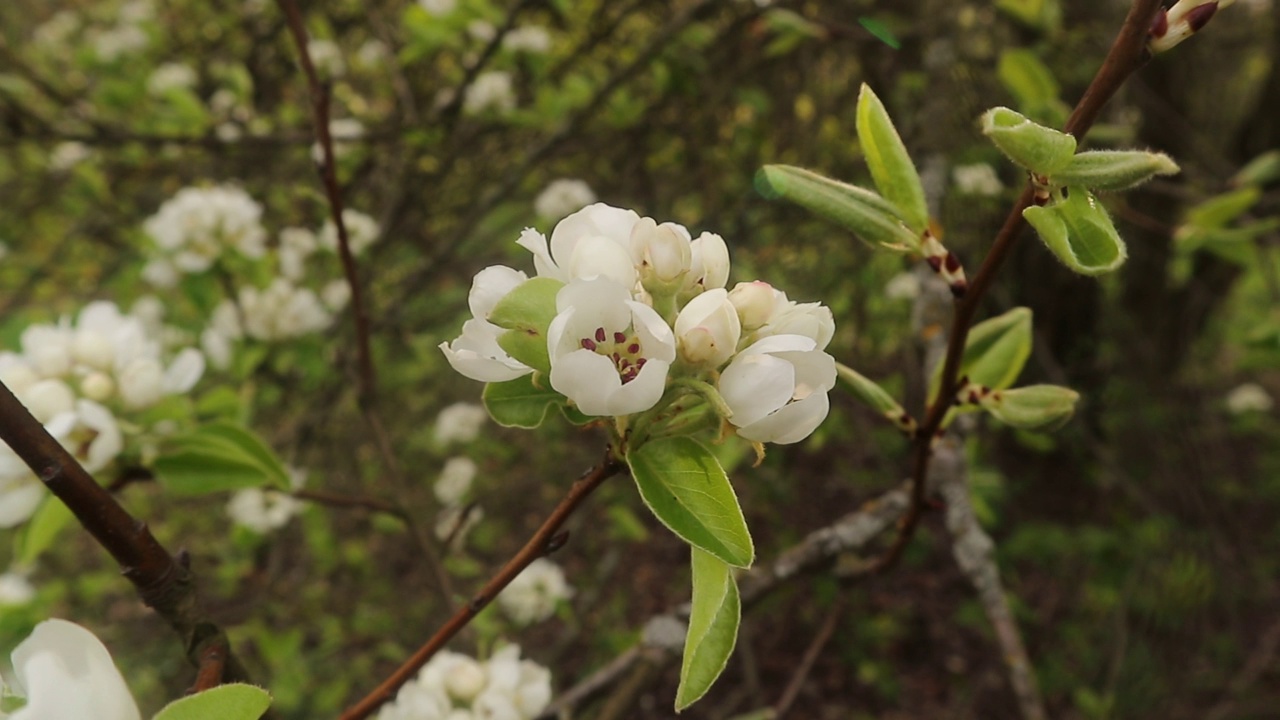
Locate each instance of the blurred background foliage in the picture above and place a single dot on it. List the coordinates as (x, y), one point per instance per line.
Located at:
(1139, 544)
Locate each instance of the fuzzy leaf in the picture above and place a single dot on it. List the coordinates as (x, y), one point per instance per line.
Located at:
(1037, 148)
(873, 218)
(713, 627)
(867, 392)
(1041, 408)
(891, 167)
(1114, 169)
(1078, 230)
(685, 487)
(520, 403)
(995, 351)
(235, 701)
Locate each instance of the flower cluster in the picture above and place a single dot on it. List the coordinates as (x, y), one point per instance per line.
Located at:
(457, 423)
(194, 227)
(262, 510)
(640, 307)
(76, 377)
(532, 597)
(456, 687)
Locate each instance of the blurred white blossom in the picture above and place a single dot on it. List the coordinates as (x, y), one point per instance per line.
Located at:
(67, 155)
(15, 589)
(343, 132)
(454, 522)
(193, 228)
(490, 91)
(281, 311)
(55, 32)
(336, 294)
(976, 179)
(326, 56)
(455, 480)
(4, 250)
(903, 286)
(459, 422)
(481, 30)
(362, 231)
(562, 197)
(111, 44)
(438, 7)
(530, 38)
(171, 76)
(1249, 397)
(263, 510)
(534, 594)
(64, 672)
(452, 686)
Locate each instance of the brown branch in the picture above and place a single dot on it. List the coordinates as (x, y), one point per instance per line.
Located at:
(368, 380)
(165, 584)
(537, 546)
(811, 654)
(338, 500)
(213, 663)
(1127, 54)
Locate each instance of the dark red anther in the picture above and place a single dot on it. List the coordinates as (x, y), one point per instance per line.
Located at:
(640, 363)
(619, 337)
(589, 344)
(633, 348)
(600, 336)
(616, 358)
(935, 263)
(1200, 16)
(952, 263)
(1160, 25)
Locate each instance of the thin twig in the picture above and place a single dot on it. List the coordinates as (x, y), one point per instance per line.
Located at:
(213, 663)
(1127, 54)
(164, 584)
(811, 654)
(536, 547)
(338, 500)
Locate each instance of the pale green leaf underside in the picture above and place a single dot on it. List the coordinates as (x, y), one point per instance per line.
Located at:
(685, 488)
(713, 627)
(519, 403)
(225, 702)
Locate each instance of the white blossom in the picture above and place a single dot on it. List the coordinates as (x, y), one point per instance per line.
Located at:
(591, 242)
(326, 56)
(562, 197)
(438, 7)
(262, 510)
(281, 311)
(65, 672)
(976, 179)
(15, 589)
(171, 76)
(113, 43)
(708, 329)
(530, 39)
(193, 228)
(533, 595)
(903, 286)
(710, 263)
(336, 294)
(754, 302)
(455, 480)
(1249, 397)
(455, 522)
(491, 90)
(68, 154)
(482, 30)
(452, 686)
(459, 422)
(777, 388)
(55, 32)
(609, 353)
(362, 231)
(476, 353)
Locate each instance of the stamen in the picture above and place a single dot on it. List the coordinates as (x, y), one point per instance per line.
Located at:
(600, 336)
(589, 344)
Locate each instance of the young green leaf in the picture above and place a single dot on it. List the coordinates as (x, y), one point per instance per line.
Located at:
(521, 402)
(1219, 210)
(42, 530)
(1037, 148)
(1041, 408)
(891, 167)
(1262, 170)
(869, 393)
(526, 312)
(713, 627)
(216, 457)
(1114, 169)
(685, 488)
(235, 701)
(995, 351)
(873, 218)
(1078, 230)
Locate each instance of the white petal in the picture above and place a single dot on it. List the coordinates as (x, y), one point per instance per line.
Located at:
(536, 243)
(756, 385)
(598, 256)
(184, 372)
(780, 343)
(67, 673)
(593, 220)
(655, 334)
(588, 379)
(476, 354)
(19, 500)
(107, 442)
(790, 424)
(641, 393)
(490, 286)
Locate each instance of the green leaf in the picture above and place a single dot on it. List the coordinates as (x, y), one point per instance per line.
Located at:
(526, 312)
(1041, 408)
(881, 31)
(42, 530)
(891, 167)
(685, 488)
(225, 702)
(520, 403)
(1114, 169)
(1037, 148)
(994, 352)
(217, 457)
(1262, 170)
(1043, 15)
(1079, 232)
(868, 392)
(1037, 91)
(713, 627)
(1220, 210)
(873, 218)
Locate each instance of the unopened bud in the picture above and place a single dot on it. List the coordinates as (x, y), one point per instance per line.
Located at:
(662, 253)
(708, 329)
(97, 386)
(755, 302)
(1041, 408)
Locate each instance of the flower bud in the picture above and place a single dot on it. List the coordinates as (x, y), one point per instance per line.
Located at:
(662, 254)
(710, 263)
(1040, 408)
(754, 302)
(1037, 148)
(97, 386)
(708, 329)
(464, 680)
(141, 383)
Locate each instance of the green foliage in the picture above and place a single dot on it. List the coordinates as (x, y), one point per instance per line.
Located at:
(713, 627)
(995, 351)
(218, 456)
(225, 702)
(1079, 232)
(526, 312)
(521, 403)
(891, 167)
(873, 218)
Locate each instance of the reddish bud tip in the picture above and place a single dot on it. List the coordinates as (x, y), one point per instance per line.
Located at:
(1160, 25)
(952, 263)
(935, 263)
(1200, 16)
(959, 288)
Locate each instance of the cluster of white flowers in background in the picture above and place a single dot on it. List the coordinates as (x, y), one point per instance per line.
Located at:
(491, 91)
(1248, 398)
(262, 510)
(459, 422)
(67, 155)
(15, 589)
(456, 687)
(76, 377)
(641, 301)
(326, 56)
(562, 197)
(532, 597)
(531, 39)
(976, 179)
(192, 229)
(171, 76)
(438, 7)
